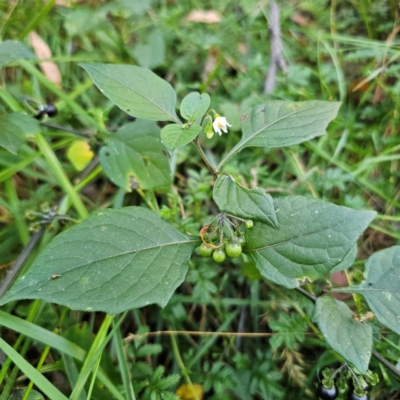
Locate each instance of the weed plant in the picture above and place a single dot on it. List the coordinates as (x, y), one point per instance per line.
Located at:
(226, 332)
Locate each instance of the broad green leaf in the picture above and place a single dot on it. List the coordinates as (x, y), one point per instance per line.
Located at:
(349, 338)
(12, 137)
(381, 287)
(28, 124)
(115, 260)
(135, 157)
(283, 123)
(13, 50)
(313, 237)
(195, 105)
(151, 53)
(137, 91)
(347, 262)
(235, 199)
(174, 135)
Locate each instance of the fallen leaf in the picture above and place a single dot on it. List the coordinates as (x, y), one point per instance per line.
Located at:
(300, 19)
(42, 51)
(203, 16)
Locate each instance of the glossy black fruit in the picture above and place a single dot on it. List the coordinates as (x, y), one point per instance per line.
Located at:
(327, 394)
(51, 110)
(353, 396)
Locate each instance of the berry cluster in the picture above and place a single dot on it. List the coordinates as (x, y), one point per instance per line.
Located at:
(333, 382)
(215, 243)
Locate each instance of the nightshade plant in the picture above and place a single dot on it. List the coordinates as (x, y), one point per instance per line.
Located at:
(119, 259)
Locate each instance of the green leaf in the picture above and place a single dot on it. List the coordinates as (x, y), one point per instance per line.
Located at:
(137, 91)
(235, 199)
(135, 156)
(195, 105)
(381, 287)
(13, 50)
(349, 338)
(150, 54)
(283, 123)
(12, 137)
(26, 123)
(174, 136)
(115, 260)
(313, 237)
(290, 330)
(347, 262)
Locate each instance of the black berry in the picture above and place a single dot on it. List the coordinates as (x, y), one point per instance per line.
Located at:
(327, 394)
(51, 110)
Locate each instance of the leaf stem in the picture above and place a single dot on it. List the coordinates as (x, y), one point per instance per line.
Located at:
(205, 159)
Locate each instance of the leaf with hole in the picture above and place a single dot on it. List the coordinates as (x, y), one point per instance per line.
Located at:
(313, 237)
(115, 260)
(195, 105)
(349, 338)
(135, 157)
(381, 287)
(175, 136)
(137, 91)
(235, 199)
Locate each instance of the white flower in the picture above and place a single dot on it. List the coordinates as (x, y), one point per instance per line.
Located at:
(220, 123)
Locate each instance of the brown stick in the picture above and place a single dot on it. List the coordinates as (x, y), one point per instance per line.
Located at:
(277, 60)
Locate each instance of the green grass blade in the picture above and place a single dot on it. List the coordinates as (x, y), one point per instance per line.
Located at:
(42, 335)
(61, 176)
(35, 376)
(123, 365)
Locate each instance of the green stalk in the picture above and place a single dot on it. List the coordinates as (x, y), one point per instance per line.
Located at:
(62, 178)
(123, 366)
(33, 314)
(95, 352)
(182, 366)
(22, 227)
(35, 22)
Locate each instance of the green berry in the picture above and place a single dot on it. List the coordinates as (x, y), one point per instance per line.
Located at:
(219, 255)
(205, 251)
(249, 224)
(233, 250)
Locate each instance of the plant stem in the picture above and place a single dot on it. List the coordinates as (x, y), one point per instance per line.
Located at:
(182, 366)
(205, 159)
